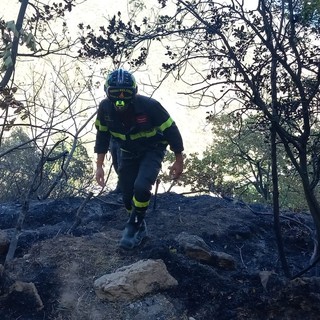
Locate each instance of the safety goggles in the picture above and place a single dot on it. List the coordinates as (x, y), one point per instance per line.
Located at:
(123, 94)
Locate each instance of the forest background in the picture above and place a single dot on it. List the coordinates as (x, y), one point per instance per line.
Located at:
(191, 122)
(241, 80)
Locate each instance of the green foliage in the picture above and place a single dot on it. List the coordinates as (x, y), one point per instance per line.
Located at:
(238, 164)
(200, 174)
(242, 153)
(310, 12)
(9, 31)
(18, 167)
(76, 179)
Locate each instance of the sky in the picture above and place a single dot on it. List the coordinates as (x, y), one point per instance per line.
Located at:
(191, 123)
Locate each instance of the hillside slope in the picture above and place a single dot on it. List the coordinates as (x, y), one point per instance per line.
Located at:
(63, 265)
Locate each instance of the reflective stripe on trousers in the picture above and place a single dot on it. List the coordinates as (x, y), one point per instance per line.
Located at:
(137, 175)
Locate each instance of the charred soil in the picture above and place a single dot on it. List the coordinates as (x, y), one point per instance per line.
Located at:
(62, 262)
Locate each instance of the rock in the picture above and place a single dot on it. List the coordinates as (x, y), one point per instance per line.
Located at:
(196, 248)
(134, 281)
(25, 294)
(4, 242)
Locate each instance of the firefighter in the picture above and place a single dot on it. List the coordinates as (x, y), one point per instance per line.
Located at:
(143, 129)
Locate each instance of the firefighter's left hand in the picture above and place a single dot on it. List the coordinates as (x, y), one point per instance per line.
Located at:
(177, 167)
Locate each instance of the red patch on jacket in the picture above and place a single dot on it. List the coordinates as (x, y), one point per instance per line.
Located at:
(142, 119)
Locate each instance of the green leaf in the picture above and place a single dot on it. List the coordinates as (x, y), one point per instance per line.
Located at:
(11, 26)
(8, 62)
(6, 53)
(30, 42)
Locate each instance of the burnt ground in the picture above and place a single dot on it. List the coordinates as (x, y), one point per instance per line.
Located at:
(64, 264)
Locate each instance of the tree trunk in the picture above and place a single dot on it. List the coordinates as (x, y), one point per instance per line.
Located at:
(15, 44)
(275, 202)
(314, 208)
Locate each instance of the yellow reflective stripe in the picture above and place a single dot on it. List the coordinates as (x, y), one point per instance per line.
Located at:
(143, 134)
(99, 126)
(118, 135)
(139, 204)
(136, 136)
(139, 135)
(166, 124)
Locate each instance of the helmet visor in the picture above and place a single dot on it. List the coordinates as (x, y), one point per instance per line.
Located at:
(124, 94)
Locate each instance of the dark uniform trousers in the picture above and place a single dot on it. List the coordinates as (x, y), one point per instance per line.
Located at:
(137, 175)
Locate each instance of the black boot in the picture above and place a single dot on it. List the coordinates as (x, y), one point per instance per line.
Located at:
(141, 233)
(134, 231)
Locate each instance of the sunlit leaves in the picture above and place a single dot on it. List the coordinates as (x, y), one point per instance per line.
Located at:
(17, 168)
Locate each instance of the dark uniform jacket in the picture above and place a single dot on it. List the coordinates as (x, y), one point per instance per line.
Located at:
(143, 126)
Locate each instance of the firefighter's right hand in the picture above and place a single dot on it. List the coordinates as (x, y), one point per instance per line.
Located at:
(100, 176)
